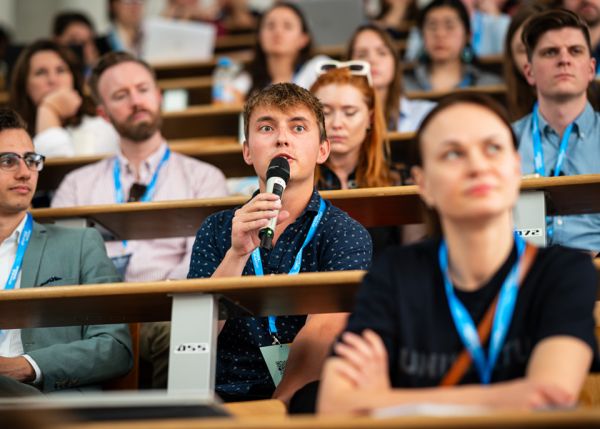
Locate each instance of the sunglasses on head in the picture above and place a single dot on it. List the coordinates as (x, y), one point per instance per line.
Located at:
(356, 67)
(9, 161)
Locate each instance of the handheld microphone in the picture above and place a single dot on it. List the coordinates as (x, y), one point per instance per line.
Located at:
(278, 175)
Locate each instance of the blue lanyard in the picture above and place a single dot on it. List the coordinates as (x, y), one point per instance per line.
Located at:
(538, 153)
(22, 247)
(466, 82)
(477, 32)
(150, 189)
(258, 266)
(502, 317)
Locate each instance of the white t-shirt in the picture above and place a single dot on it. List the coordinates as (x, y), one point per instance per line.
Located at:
(412, 113)
(306, 76)
(93, 136)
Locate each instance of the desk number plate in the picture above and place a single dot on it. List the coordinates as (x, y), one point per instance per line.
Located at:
(530, 232)
(192, 348)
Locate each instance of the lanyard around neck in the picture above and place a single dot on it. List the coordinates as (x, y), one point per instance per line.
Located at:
(538, 152)
(258, 266)
(463, 322)
(150, 189)
(21, 248)
(477, 32)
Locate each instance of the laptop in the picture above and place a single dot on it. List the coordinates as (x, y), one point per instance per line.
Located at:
(106, 406)
(177, 41)
(332, 22)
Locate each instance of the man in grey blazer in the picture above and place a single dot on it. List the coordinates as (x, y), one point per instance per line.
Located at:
(34, 255)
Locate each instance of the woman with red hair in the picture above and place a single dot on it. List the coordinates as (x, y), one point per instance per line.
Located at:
(356, 129)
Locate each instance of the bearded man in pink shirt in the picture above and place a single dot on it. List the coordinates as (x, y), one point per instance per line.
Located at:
(144, 169)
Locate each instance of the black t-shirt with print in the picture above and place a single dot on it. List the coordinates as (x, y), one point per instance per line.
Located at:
(403, 299)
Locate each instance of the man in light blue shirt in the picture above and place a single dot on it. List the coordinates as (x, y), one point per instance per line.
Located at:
(562, 134)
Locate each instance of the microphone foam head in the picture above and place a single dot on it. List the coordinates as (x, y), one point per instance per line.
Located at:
(279, 167)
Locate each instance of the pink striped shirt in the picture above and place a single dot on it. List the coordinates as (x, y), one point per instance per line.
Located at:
(180, 178)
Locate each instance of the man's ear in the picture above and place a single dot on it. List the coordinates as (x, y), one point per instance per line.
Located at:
(246, 153)
(592, 69)
(528, 73)
(101, 111)
(159, 95)
(324, 150)
(419, 179)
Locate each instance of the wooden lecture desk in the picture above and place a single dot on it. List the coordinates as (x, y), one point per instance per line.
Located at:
(396, 205)
(222, 152)
(576, 419)
(211, 120)
(191, 305)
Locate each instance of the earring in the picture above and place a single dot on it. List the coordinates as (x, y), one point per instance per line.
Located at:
(467, 54)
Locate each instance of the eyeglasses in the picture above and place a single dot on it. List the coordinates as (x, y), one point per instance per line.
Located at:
(356, 67)
(9, 161)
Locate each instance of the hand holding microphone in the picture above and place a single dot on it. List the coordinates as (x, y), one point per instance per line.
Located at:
(278, 175)
(261, 213)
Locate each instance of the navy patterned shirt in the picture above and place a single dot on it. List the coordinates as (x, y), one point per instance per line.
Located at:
(340, 243)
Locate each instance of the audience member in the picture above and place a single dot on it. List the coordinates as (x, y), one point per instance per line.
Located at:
(359, 156)
(36, 255)
(487, 35)
(395, 13)
(282, 120)
(227, 15)
(355, 128)
(191, 10)
(47, 90)
(126, 32)
(374, 45)
(75, 30)
(410, 330)
(520, 96)
(144, 169)
(282, 51)
(560, 136)
(449, 60)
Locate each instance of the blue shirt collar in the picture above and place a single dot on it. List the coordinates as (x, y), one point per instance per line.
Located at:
(583, 124)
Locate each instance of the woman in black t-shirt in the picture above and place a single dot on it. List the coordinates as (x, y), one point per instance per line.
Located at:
(419, 305)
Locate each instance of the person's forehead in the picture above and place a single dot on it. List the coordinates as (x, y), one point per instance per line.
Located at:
(46, 57)
(442, 13)
(282, 13)
(367, 39)
(124, 74)
(340, 94)
(561, 36)
(282, 115)
(463, 122)
(15, 140)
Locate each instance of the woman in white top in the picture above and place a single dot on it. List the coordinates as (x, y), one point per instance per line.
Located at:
(47, 91)
(281, 53)
(372, 44)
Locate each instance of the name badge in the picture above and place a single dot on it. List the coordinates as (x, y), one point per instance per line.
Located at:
(276, 357)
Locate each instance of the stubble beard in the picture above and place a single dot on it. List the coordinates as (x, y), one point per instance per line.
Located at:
(140, 131)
